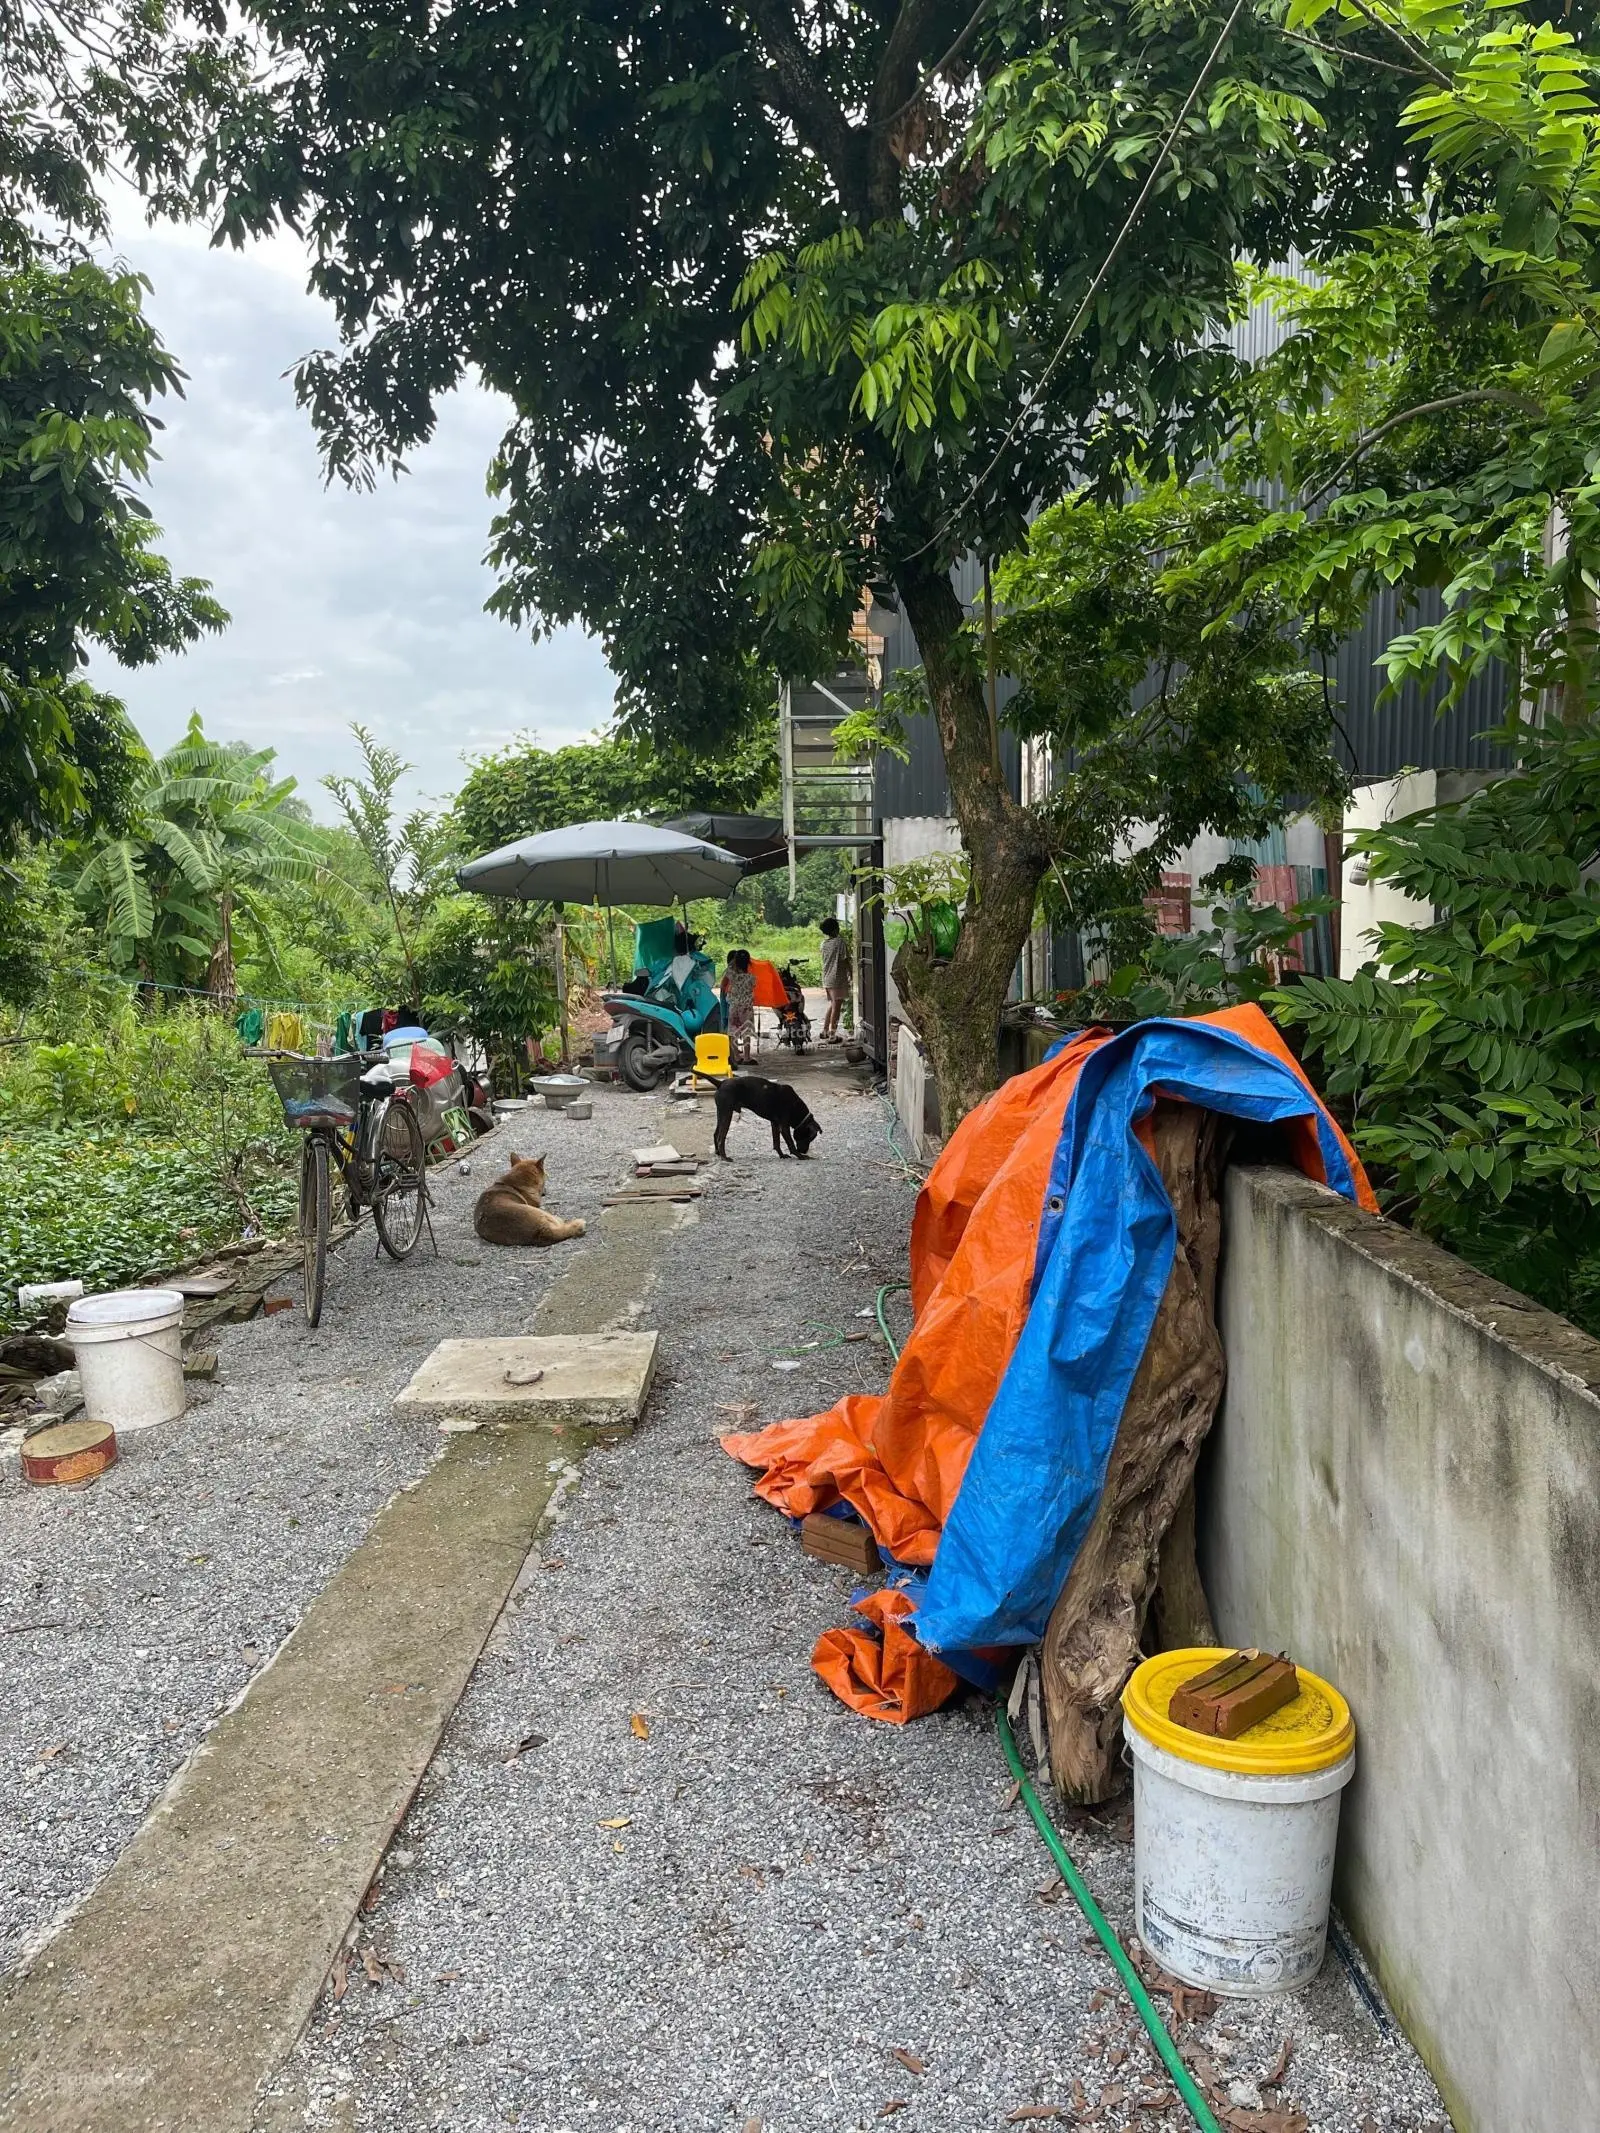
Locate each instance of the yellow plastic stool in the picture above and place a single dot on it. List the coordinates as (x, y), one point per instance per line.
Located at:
(711, 1056)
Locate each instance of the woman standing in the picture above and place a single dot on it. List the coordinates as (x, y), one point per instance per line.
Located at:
(836, 976)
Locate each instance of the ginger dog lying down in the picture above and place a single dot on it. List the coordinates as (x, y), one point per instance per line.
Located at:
(510, 1211)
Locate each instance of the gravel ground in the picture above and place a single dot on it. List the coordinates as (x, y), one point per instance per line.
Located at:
(132, 1613)
(657, 1878)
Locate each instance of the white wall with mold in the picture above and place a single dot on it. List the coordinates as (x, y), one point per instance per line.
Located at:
(905, 838)
(1402, 1490)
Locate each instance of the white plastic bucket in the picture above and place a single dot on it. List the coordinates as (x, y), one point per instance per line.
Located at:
(1233, 1873)
(129, 1349)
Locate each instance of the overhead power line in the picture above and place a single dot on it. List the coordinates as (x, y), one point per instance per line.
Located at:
(1097, 284)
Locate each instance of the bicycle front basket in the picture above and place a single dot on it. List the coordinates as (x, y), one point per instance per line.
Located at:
(318, 1092)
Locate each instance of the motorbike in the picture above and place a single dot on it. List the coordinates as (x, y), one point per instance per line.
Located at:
(794, 1024)
(671, 999)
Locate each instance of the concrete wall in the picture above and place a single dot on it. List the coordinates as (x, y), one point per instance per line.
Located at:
(1403, 1491)
(1368, 904)
(916, 1100)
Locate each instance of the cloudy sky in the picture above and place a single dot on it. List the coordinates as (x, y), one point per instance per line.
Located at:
(345, 607)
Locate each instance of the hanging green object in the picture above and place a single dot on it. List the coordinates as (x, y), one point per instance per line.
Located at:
(944, 927)
(251, 1026)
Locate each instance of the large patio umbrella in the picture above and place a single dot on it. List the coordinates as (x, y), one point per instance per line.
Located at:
(605, 863)
(602, 863)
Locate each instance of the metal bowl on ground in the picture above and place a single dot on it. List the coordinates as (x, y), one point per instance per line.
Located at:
(559, 1090)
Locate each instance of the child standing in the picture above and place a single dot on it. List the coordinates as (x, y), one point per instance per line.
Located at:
(739, 991)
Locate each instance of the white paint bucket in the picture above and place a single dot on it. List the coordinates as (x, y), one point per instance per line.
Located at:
(1234, 1840)
(129, 1349)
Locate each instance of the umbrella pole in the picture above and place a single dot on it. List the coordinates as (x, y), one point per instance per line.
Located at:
(611, 935)
(561, 985)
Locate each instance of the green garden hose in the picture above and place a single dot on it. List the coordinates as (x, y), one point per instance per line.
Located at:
(1199, 2109)
(891, 1288)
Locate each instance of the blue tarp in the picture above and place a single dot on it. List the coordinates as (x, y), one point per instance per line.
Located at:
(1104, 1256)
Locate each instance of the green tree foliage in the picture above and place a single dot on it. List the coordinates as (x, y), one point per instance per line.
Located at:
(1435, 419)
(210, 834)
(789, 299)
(525, 789)
(327, 951)
(91, 85)
(1170, 722)
(486, 966)
(1434, 414)
(1469, 1053)
(41, 931)
(405, 859)
(79, 367)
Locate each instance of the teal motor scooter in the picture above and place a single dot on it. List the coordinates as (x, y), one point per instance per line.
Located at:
(671, 998)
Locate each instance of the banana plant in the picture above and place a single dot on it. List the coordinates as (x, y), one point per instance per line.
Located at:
(211, 833)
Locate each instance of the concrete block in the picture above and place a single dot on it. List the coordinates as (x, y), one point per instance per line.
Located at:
(599, 1380)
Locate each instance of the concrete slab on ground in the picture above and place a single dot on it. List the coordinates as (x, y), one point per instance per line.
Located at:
(189, 1973)
(605, 1286)
(599, 1380)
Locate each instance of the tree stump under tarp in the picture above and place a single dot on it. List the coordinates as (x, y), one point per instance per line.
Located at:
(1142, 1534)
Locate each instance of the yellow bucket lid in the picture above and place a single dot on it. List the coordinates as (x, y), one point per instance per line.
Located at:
(1312, 1733)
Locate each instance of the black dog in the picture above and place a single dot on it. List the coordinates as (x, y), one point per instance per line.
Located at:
(771, 1100)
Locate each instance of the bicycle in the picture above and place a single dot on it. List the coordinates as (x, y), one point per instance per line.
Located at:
(358, 1121)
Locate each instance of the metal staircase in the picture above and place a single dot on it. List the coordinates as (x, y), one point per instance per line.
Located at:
(826, 803)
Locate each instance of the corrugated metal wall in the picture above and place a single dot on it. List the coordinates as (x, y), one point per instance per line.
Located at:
(1378, 741)
(1407, 733)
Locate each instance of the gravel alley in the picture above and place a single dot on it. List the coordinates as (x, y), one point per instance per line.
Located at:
(656, 1877)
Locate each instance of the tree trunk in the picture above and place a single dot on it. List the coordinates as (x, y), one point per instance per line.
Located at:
(221, 980)
(1093, 1640)
(955, 1005)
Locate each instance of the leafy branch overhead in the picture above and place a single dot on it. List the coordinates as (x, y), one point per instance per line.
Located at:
(1436, 405)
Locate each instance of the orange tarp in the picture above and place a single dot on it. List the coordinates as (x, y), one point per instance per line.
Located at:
(898, 1459)
(770, 990)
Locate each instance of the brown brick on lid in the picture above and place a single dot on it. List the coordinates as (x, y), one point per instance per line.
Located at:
(1235, 1694)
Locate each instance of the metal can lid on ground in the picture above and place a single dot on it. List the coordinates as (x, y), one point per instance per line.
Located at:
(68, 1453)
(1314, 1732)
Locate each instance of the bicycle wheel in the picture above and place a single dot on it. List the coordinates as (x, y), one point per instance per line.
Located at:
(314, 1223)
(400, 1180)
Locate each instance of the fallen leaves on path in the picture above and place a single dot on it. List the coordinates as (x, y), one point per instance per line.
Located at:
(909, 2060)
(1027, 2112)
(640, 1725)
(1189, 2002)
(1280, 2067)
(895, 2103)
(616, 1822)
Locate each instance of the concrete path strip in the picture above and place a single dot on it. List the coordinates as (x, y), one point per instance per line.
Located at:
(190, 1972)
